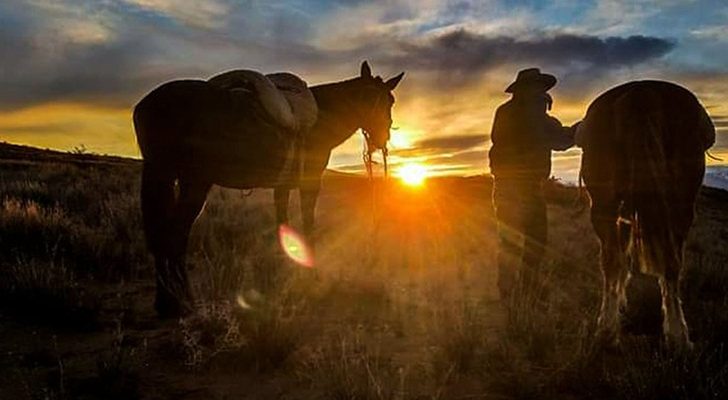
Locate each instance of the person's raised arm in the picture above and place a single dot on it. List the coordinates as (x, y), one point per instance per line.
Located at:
(560, 137)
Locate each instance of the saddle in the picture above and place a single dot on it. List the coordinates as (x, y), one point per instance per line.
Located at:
(288, 103)
(284, 96)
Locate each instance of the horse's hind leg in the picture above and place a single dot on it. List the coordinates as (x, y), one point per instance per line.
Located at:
(191, 199)
(674, 326)
(614, 271)
(624, 229)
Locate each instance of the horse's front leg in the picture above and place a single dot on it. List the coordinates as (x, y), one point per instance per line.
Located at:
(310, 186)
(309, 196)
(280, 196)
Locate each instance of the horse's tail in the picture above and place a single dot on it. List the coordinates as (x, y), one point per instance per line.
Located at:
(657, 197)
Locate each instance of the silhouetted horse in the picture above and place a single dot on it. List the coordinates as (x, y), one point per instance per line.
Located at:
(193, 134)
(643, 164)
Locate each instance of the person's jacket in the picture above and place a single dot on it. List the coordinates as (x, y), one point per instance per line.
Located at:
(523, 136)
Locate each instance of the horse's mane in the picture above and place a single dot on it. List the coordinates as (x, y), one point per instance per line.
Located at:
(328, 95)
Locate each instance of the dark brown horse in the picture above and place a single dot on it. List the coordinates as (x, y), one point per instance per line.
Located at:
(644, 158)
(193, 135)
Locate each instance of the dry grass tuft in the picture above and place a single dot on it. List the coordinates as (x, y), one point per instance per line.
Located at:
(255, 333)
(344, 368)
(118, 371)
(459, 340)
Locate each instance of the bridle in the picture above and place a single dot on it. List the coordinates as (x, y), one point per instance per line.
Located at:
(367, 151)
(368, 159)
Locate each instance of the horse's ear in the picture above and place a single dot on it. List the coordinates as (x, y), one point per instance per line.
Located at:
(366, 71)
(393, 82)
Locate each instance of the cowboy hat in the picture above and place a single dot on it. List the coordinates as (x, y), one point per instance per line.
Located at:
(532, 77)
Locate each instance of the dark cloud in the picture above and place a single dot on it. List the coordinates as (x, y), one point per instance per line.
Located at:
(449, 143)
(40, 64)
(144, 50)
(444, 144)
(462, 52)
(468, 157)
(97, 74)
(720, 121)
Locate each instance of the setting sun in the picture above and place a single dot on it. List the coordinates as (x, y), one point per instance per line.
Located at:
(412, 174)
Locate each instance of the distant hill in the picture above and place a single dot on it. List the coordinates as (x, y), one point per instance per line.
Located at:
(716, 176)
(23, 153)
(9, 151)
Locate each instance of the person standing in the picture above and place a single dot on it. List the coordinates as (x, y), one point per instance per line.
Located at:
(523, 136)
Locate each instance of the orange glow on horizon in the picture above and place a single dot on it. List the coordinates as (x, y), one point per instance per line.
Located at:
(63, 126)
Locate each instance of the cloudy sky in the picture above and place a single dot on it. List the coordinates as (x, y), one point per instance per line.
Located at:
(70, 71)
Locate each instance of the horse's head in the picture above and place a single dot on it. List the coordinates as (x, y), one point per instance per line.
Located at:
(375, 106)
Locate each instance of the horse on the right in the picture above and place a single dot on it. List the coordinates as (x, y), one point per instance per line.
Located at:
(643, 162)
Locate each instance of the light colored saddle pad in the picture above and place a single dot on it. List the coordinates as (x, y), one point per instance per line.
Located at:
(284, 96)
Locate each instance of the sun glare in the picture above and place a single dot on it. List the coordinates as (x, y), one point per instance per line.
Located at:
(412, 174)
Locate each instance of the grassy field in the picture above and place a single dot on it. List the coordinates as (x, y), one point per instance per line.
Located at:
(401, 304)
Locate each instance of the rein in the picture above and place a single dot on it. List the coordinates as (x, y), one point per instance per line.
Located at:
(368, 159)
(369, 164)
(367, 152)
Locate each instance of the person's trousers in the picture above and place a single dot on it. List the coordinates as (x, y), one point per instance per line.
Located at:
(522, 230)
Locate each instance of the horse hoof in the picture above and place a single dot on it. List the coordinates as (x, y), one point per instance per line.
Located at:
(679, 344)
(172, 309)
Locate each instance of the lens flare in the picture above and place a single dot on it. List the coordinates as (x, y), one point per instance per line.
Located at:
(295, 247)
(247, 300)
(242, 303)
(412, 174)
